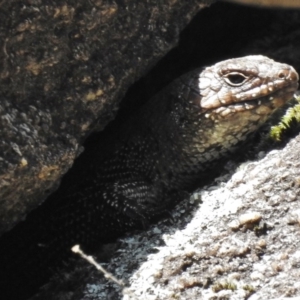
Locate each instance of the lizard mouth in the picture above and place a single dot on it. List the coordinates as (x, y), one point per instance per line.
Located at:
(262, 105)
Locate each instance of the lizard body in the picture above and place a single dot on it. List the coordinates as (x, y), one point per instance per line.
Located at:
(155, 158)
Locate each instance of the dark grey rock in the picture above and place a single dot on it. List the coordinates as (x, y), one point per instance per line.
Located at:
(65, 66)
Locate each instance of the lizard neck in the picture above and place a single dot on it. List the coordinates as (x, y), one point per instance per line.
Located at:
(190, 140)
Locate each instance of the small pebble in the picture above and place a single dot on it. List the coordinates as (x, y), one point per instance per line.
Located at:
(256, 276)
(252, 217)
(234, 225)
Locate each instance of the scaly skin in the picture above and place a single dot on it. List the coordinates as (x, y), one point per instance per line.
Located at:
(154, 159)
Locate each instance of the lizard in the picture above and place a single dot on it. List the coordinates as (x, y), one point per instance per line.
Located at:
(154, 158)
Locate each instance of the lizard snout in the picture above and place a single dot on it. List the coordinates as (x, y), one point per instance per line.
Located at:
(288, 73)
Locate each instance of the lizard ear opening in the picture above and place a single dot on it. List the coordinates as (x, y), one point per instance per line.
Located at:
(235, 78)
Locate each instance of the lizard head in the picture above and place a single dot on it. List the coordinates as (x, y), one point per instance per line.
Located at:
(233, 98)
(255, 83)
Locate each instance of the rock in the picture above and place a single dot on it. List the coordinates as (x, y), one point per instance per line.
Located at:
(250, 217)
(65, 66)
(199, 258)
(186, 263)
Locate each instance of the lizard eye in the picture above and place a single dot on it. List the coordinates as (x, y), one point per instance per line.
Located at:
(235, 79)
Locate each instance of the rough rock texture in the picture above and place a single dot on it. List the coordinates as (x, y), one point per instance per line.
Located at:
(241, 242)
(214, 251)
(269, 3)
(65, 65)
(157, 157)
(217, 33)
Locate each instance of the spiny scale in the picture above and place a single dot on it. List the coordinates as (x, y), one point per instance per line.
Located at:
(153, 159)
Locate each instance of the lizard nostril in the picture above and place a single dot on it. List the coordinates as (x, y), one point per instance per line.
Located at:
(283, 74)
(288, 74)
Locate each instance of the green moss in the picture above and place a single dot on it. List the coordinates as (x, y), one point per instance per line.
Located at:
(289, 119)
(249, 288)
(283, 125)
(225, 285)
